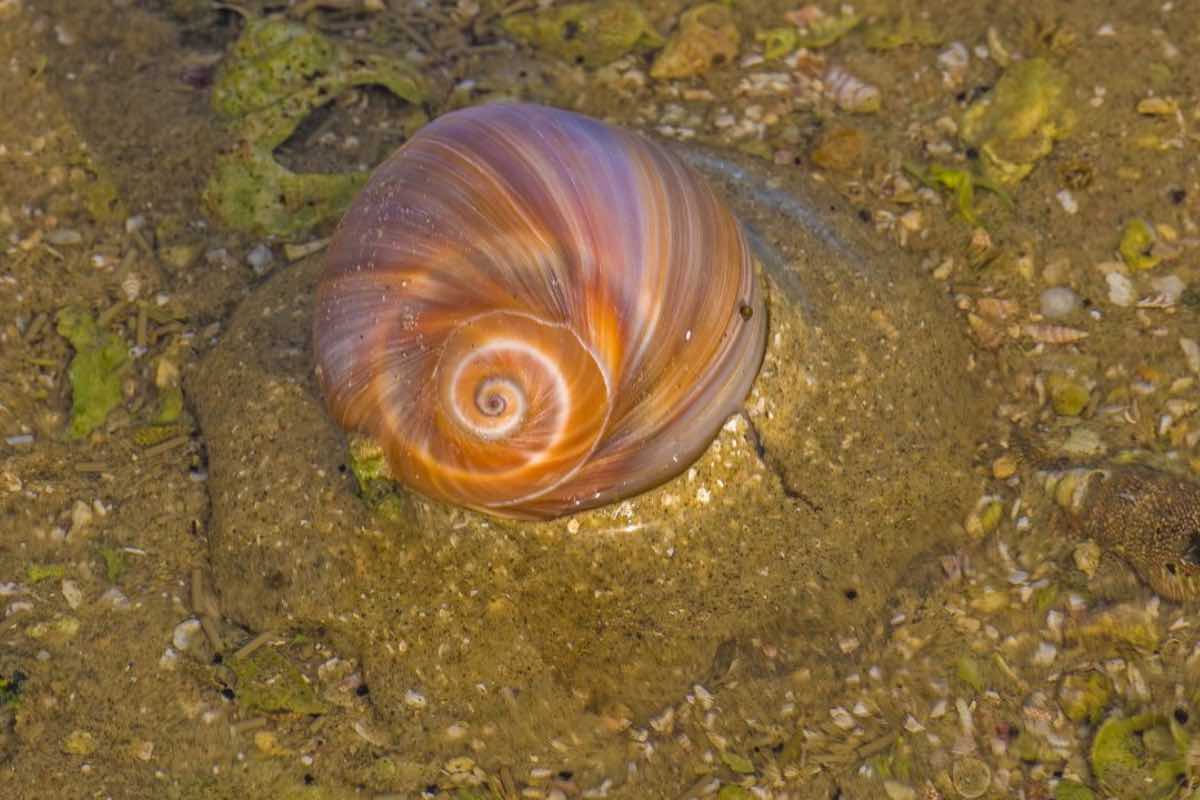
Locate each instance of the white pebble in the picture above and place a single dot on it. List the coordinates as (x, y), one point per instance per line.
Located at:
(414, 699)
(168, 659)
(259, 258)
(72, 593)
(1120, 290)
(1191, 352)
(115, 599)
(1067, 201)
(1045, 654)
(1058, 302)
(81, 516)
(186, 633)
(841, 718)
(17, 607)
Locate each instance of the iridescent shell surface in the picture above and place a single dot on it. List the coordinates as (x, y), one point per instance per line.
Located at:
(534, 312)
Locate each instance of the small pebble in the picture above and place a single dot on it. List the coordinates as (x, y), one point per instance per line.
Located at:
(259, 258)
(1058, 302)
(64, 236)
(1120, 289)
(72, 593)
(186, 634)
(115, 599)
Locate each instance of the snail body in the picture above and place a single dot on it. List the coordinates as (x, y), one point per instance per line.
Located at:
(534, 313)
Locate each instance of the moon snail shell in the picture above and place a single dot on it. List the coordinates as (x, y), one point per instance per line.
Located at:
(535, 313)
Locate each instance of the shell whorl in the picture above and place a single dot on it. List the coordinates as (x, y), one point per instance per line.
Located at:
(534, 312)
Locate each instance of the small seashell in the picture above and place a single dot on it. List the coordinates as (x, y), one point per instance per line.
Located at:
(534, 313)
(971, 777)
(131, 286)
(989, 335)
(1053, 334)
(1156, 300)
(850, 93)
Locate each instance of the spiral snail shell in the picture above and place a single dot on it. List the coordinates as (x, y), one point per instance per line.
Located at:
(534, 312)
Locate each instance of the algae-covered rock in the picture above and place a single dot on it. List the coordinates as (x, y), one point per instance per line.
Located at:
(706, 37)
(94, 372)
(777, 42)
(268, 681)
(591, 34)
(1068, 396)
(1017, 124)
(274, 76)
(1137, 245)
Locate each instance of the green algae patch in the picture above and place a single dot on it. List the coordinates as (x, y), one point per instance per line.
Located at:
(269, 61)
(962, 183)
(376, 486)
(94, 372)
(737, 762)
(731, 791)
(969, 673)
(1139, 756)
(1084, 697)
(170, 405)
(256, 194)
(115, 562)
(590, 34)
(776, 42)
(267, 681)
(1073, 790)
(1018, 123)
(275, 75)
(36, 573)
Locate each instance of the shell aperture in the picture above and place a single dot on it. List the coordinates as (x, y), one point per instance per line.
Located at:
(534, 312)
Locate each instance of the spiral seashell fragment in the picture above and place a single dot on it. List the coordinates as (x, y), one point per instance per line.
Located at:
(534, 312)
